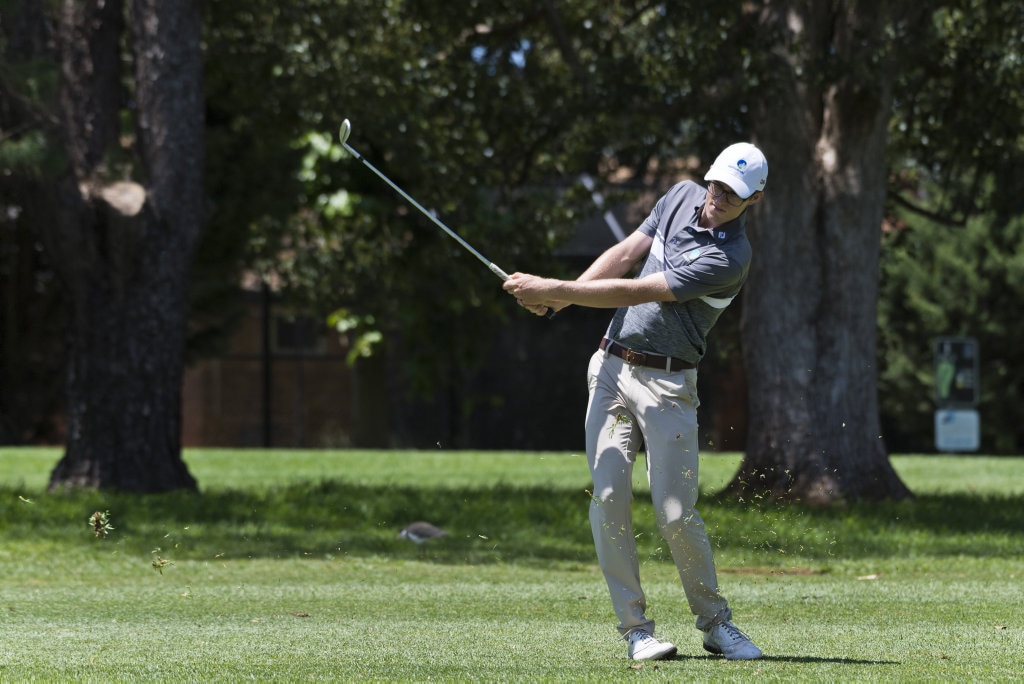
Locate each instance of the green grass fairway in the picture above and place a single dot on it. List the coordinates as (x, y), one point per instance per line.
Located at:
(287, 567)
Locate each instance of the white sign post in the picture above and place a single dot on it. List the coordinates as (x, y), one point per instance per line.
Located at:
(957, 430)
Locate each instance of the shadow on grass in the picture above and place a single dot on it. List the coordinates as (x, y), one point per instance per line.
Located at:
(838, 661)
(496, 523)
(811, 660)
(931, 525)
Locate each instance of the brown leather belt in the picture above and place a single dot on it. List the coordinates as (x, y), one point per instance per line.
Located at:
(635, 358)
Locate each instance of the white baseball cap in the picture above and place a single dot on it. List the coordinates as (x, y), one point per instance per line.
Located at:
(742, 167)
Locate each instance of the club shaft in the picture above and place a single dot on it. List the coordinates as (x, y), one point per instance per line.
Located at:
(440, 224)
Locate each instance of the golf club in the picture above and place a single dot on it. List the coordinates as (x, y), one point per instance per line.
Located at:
(345, 131)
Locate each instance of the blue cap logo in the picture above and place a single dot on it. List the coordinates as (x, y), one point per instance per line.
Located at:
(741, 165)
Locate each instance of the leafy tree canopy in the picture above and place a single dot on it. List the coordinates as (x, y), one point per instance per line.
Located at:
(485, 111)
(482, 111)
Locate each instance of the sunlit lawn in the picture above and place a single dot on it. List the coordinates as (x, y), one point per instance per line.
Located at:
(287, 566)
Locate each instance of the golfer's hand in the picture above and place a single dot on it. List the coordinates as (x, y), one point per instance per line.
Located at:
(529, 288)
(536, 309)
(532, 293)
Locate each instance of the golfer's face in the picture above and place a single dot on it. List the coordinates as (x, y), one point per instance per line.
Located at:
(722, 204)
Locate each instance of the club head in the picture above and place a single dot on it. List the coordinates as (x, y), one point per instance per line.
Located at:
(344, 131)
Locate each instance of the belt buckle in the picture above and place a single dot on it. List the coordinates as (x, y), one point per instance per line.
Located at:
(635, 358)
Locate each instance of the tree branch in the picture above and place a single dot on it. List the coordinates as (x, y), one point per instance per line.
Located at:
(565, 46)
(942, 219)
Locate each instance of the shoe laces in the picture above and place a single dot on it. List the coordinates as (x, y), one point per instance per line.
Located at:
(733, 632)
(640, 636)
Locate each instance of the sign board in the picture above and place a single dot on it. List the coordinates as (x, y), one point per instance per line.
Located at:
(957, 430)
(956, 372)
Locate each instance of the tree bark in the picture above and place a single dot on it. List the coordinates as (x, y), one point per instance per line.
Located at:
(809, 327)
(124, 248)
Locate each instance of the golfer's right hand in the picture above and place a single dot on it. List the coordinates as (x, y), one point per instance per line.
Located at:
(536, 309)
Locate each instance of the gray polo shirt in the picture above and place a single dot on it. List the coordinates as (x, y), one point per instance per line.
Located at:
(705, 269)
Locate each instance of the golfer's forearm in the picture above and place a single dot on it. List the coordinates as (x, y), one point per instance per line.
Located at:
(619, 259)
(608, 265)
(611, 292)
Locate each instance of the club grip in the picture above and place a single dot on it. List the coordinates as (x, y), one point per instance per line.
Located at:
(551, 313)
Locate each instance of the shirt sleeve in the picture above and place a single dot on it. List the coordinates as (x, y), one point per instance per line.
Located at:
(712, 273)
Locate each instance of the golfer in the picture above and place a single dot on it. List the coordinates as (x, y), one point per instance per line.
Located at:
(643, 384)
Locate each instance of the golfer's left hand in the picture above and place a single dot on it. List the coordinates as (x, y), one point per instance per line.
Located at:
(529, 288)
(530, 292)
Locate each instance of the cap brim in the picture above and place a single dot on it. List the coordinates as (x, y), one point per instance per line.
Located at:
(732, 180)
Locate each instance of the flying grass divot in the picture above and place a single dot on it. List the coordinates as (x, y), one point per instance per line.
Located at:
(99, 523)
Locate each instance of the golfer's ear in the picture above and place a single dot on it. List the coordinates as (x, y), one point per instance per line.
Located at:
(756, 197)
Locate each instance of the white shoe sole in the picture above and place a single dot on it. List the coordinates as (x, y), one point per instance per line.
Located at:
(656, 654)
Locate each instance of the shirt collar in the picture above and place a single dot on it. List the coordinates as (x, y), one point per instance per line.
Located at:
(726, 231)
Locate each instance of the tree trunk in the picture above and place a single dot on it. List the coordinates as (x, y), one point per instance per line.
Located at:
(809, 325)
(124, 248)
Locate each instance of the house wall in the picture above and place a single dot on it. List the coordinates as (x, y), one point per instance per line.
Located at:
(225, 399)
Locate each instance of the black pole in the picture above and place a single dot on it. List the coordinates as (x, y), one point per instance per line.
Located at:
(267, 366)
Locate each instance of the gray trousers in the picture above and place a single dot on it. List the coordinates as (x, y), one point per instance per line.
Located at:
(630, 405)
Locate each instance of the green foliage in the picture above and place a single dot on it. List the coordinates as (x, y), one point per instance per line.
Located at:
(32, 315)
(939, 280)
(482, 112)
(486, 112)
(24, 154)
(951, 266)
(959, 109)
(289, 567)
(358, 332)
